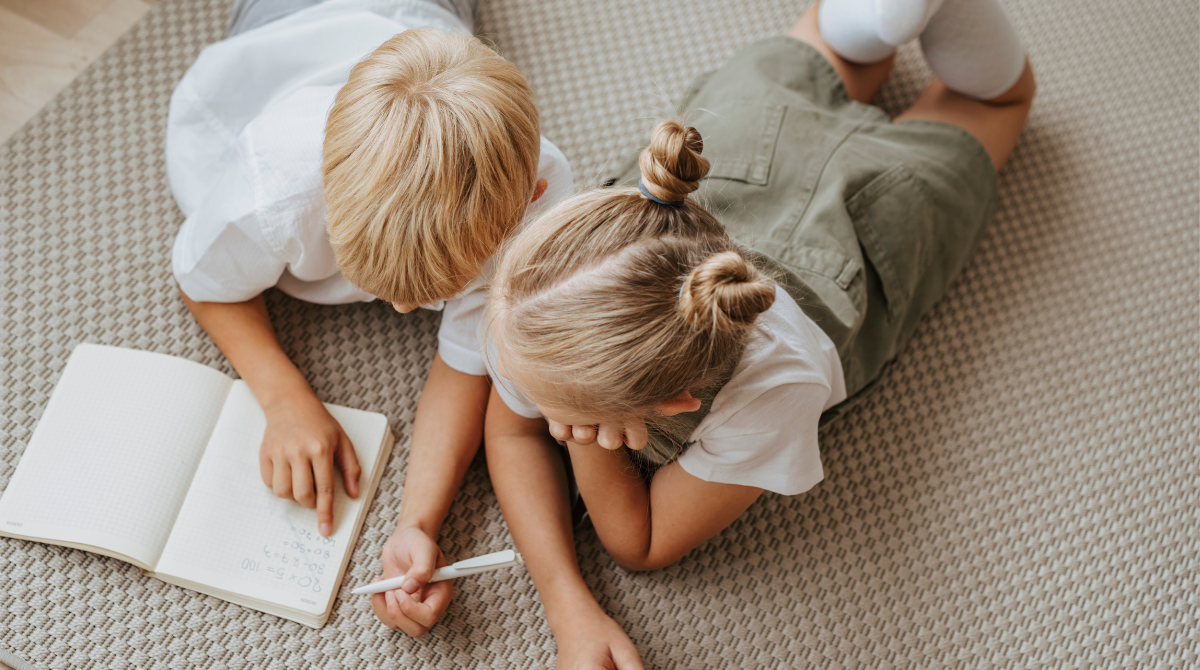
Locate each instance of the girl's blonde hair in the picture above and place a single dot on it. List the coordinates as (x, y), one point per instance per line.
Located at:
(430, 160)
(611, 303)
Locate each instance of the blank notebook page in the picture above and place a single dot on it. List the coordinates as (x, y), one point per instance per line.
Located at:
(115, 451)
(235, 534)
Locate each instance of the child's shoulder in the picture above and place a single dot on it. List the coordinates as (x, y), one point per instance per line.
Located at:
(787, 356)
(762, 428)
(289, 134)
(786, 343)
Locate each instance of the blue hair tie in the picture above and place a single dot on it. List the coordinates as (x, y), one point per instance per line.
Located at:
(671, 203)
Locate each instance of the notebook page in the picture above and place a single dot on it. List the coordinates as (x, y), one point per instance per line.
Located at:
(112, 456)
(234, 534)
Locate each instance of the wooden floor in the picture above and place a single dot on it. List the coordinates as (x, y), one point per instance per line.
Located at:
(44, 44)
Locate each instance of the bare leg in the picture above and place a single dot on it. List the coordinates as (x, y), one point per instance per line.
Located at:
(996, 123)
(862, 81)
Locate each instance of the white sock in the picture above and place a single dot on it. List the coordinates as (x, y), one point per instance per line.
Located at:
(851, 28)
(970, 45)
(902, 21)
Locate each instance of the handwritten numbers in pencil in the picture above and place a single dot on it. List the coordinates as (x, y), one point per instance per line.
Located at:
(282, 574)
(299, 562)
(305, 534)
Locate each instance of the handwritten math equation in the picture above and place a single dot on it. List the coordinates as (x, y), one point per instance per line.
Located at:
(299, 562)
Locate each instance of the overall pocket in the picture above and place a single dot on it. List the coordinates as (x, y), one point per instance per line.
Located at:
(767, 161)
(894, 222)
(739, 143)
(740, 139)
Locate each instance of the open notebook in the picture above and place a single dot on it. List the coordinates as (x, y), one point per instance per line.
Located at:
(153, 460)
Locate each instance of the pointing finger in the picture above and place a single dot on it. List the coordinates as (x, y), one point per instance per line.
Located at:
(322, 470)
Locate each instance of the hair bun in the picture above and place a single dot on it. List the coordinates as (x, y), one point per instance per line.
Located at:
(672, 165)
(725, 292)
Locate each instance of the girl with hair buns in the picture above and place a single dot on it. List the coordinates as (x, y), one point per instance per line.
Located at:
(686, 354)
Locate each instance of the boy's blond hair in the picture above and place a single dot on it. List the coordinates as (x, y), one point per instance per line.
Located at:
(430, 160)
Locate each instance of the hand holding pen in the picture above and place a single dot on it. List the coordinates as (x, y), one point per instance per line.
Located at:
(416, 604)
(471, 566)
(415, 594)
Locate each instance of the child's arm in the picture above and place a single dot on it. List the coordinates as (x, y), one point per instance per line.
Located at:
(303, 441)
(530, 483)
(447, 432)
(649, 525)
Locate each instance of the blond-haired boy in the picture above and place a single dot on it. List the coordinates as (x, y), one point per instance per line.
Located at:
(344, 151)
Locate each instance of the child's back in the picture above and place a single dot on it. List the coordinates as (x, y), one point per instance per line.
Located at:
(244, 150)
(346, 151)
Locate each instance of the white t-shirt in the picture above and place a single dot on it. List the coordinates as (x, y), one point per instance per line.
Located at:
(762, 429)
(244, 143)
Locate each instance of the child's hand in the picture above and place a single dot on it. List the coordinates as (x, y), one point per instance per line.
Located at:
(416, 606)
(632, 433)
(302, 444)
(594, 641)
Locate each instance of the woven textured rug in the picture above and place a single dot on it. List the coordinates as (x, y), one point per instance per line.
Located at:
(1020, 491)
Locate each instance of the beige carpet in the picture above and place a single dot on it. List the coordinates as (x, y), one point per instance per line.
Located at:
(1020, 491)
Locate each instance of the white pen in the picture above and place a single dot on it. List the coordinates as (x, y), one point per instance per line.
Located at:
(470, 566)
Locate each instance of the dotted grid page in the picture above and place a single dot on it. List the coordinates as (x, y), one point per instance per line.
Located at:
(235, 535)
(113, 454)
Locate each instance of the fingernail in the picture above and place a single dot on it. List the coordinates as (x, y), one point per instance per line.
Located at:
(325, 528)
(410, 585)
(391, 597)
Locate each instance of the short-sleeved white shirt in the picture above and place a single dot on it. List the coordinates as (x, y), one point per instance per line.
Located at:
(244, 147)
(762, 428)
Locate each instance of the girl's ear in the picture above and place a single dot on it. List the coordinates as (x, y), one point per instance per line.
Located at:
(684, 402)
(539, 189)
